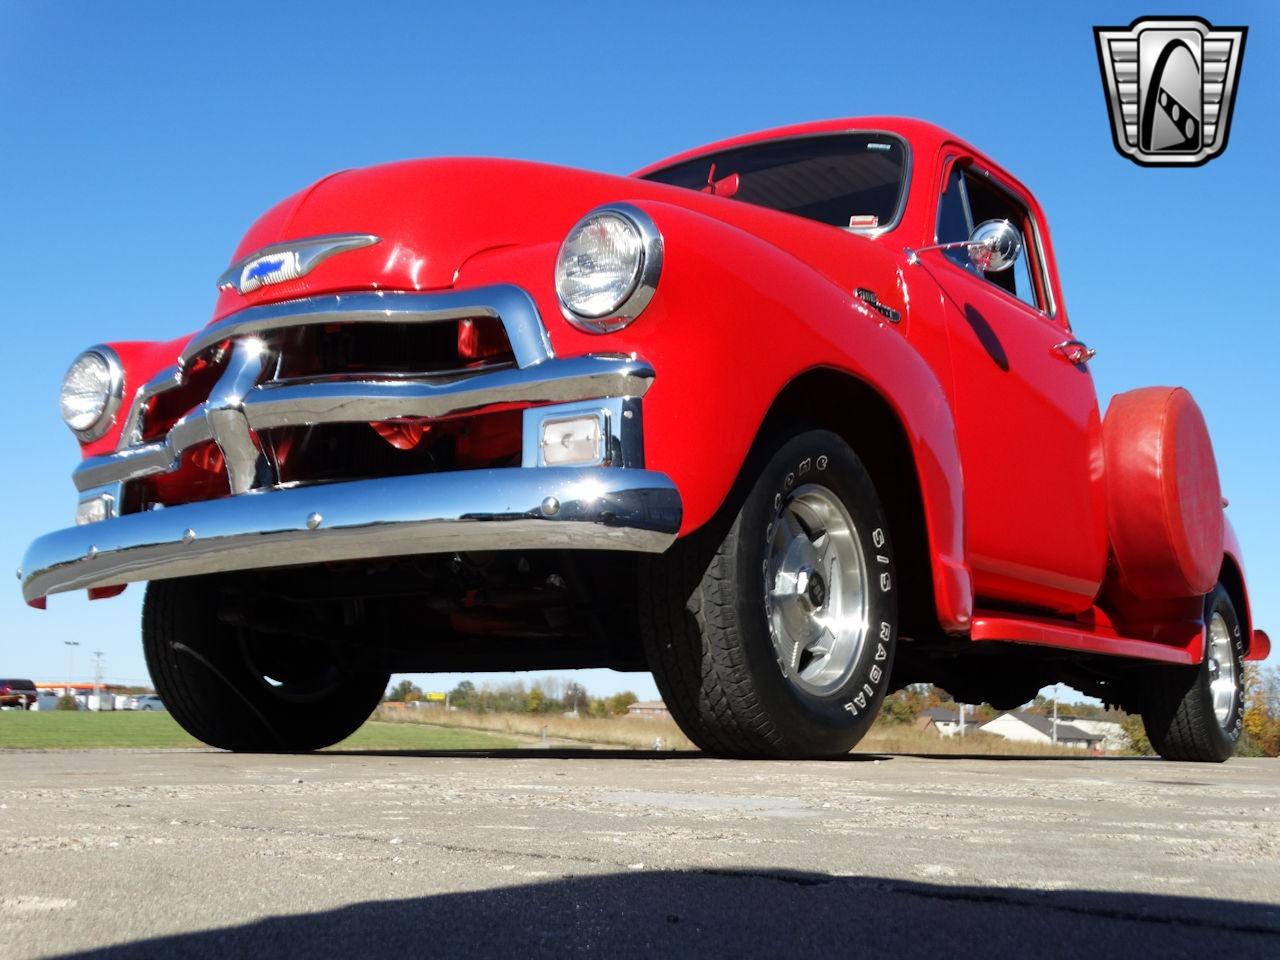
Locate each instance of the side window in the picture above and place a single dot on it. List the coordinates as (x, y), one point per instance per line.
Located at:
(953, 217)
(969, 199)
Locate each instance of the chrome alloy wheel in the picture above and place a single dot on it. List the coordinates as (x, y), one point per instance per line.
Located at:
(816, 590)
(1224, 685)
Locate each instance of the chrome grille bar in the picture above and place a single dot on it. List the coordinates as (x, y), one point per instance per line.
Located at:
(508, 304)
(353, 401)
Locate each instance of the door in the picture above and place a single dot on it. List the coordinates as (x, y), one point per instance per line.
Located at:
(1026, 412)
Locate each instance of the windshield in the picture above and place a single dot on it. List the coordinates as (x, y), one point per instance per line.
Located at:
(856, 180)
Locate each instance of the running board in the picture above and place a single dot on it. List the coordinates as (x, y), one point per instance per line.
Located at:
(1101, 640)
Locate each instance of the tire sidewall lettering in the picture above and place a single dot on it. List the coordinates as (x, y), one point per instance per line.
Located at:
(859, 699)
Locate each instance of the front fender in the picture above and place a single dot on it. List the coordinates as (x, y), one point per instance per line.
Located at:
(736, 319)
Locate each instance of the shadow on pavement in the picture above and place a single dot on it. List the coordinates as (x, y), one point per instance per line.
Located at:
(745, 914)
(1023, 758)
(534, 752)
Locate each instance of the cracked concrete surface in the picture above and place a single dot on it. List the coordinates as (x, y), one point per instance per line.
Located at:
(555, 853)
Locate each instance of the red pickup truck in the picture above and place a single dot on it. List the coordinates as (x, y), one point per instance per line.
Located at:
(792, 420)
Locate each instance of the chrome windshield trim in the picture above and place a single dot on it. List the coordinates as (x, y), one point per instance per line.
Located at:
(269, 405)
(508, 304)
(504, 509)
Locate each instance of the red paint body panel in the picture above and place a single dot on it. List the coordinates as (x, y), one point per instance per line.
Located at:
(1008, 453)
(1053, 633)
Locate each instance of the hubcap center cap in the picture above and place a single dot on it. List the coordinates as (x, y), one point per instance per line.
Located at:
(817, 590)
(815, 578)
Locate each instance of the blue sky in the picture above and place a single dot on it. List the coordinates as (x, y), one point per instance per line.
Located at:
(142, 139)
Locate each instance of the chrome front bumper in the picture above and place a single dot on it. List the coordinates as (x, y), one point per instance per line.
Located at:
(611, 503)
(583, 508)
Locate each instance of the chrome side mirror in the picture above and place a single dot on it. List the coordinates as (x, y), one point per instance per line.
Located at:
(994, 246)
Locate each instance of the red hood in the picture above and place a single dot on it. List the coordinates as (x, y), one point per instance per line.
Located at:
(434, 215)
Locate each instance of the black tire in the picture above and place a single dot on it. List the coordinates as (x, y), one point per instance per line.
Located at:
(207, 673)
(1178, 704)
(708, 637)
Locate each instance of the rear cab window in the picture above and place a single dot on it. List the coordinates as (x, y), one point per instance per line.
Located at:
(857, 181)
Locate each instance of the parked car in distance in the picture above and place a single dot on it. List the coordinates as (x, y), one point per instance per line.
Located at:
(17, 694)
(146, 701)
(792, 420)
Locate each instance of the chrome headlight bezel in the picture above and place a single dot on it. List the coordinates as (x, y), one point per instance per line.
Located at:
(645, 275)
(113, 393)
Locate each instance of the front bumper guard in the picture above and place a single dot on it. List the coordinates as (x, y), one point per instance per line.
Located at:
(580, 508)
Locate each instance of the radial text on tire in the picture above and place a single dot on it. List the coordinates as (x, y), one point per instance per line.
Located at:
(771, 632)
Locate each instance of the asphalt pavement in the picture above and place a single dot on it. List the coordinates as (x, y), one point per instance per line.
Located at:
(562, 853)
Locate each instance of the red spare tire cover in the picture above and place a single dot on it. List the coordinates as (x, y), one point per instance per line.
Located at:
(1164, 504)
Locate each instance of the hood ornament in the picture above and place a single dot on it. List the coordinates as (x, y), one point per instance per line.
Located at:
(289, 260)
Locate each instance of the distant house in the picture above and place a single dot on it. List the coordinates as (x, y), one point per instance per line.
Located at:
(649, 708)
(1036, 728)
(1112, 733)
(941, 721)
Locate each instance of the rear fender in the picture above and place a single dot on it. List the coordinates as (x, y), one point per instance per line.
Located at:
(1232, 578)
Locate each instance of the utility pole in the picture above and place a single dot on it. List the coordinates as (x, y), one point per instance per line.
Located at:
(97, 678)
(1055, 713)
(71, 660)
(961, 706)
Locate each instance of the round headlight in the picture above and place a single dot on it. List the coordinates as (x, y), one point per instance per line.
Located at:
(608, 268)
(91, 393)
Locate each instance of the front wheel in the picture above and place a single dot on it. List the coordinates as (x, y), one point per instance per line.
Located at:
(1196, 713)
(775, 637)
(238, 689)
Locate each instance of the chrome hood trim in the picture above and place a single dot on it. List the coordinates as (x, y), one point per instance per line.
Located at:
(289, 260)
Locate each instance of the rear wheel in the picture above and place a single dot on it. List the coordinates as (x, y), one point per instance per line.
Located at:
(1196, 713)
(775, 637)
(238, 689)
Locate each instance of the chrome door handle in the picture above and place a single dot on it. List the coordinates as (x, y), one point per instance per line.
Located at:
(1073, 351)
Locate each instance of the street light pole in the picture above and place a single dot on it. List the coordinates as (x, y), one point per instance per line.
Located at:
(71, 659)
(97, 678)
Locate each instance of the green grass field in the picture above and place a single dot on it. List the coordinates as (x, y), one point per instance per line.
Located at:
(65, 730)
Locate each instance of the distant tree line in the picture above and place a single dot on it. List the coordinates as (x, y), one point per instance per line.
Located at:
(550, 696)
(1260, 738)
(1261, 735)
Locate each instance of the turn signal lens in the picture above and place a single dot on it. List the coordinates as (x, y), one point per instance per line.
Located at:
(572, 441)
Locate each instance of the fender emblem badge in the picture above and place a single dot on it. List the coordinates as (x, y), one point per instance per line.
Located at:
(869, 298)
